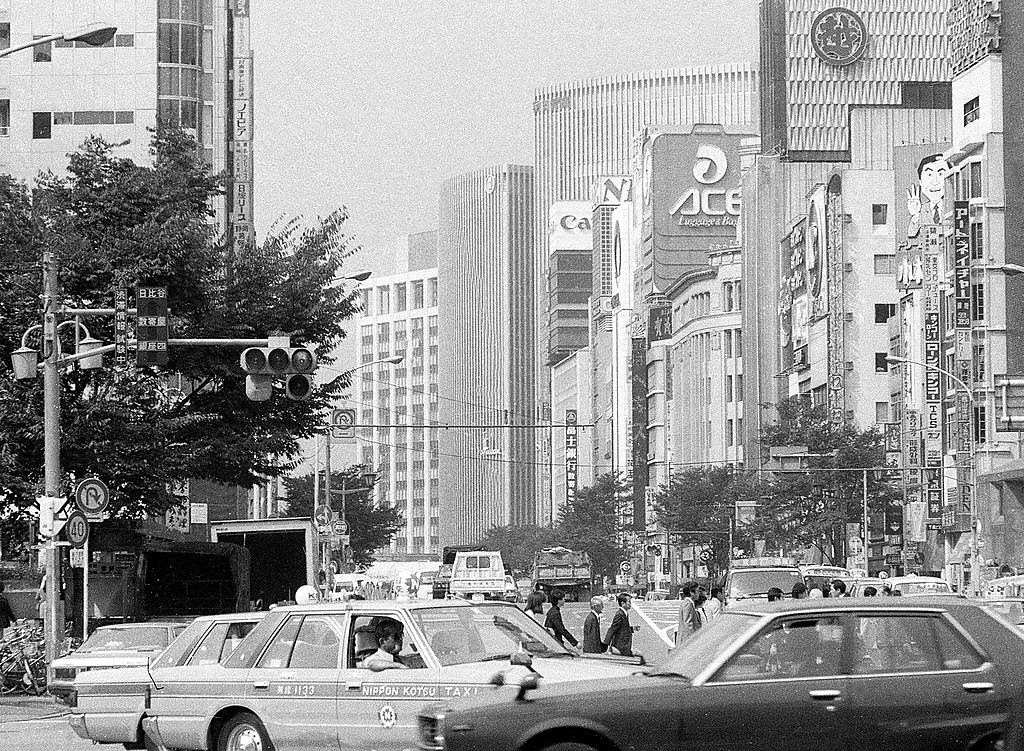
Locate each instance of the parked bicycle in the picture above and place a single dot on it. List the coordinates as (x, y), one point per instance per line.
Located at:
(22, 660)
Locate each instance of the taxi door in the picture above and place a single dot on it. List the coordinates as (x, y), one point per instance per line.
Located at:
(294, 685)
(377, 710)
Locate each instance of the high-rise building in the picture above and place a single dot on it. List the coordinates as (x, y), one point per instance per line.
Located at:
(187, 62)
(397, 404)
(585, 131)
(486, 382)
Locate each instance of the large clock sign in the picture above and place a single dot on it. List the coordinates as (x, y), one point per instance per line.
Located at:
(839, 36)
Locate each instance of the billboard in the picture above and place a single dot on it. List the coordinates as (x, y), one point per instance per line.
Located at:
(693, 179)
(570, 226)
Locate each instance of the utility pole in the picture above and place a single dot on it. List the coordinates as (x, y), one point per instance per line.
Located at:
(51, 451)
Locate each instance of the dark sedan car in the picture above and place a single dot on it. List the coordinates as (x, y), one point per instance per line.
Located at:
(830, 675)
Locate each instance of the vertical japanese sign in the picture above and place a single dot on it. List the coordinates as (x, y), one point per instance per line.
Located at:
(241, 164)
(835, 262)
(571, 454)
(151, 326)
(961, 265)
(932, 347)
(121, 328)
(963, 351)
(638, 458)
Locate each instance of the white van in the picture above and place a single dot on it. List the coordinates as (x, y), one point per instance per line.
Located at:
(478, 575)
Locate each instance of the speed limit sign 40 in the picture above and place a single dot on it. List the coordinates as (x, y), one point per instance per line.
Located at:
(77, 529)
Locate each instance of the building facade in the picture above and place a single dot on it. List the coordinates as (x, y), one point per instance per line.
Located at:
(585, 131)
(487, 465)
(188, 62)
(397, 405)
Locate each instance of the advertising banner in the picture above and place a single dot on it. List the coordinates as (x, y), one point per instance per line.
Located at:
(694, 179)
(571, 455)
(121, 327)
(961, 265)
(909, 267)
(916, 528)
(640, 440)
(933, 488)
(659, 325)
(834, 259)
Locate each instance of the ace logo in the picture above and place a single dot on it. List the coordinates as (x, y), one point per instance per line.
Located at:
(718, 205)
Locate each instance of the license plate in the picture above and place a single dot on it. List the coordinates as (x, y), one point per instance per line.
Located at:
(478, 597)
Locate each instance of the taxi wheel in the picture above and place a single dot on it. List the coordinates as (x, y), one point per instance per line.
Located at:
(243, 732)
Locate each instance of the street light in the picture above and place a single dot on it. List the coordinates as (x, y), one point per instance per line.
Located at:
(973, 462)
(93, 34)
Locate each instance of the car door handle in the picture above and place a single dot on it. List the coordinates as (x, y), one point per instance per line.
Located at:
(824, 694)
(354, 685)
(261, 684)
(980, 687)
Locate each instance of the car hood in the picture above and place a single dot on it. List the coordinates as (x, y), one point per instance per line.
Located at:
(550, 670)
(99, 659)
(129, 675)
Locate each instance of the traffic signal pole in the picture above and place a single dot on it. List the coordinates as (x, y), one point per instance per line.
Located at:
(54, 626)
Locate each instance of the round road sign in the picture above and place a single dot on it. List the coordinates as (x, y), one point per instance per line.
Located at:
(77, 529)
(624, 567)
(323, 515)
(92, 497)
(341, 527)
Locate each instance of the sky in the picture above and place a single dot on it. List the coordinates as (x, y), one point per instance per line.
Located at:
(373, 104)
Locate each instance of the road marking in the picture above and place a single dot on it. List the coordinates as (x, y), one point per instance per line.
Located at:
(654, 627)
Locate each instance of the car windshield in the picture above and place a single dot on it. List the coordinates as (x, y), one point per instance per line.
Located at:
(699, 650)
(922, 588)
(138, 638)
(746, 583)
(460, 635)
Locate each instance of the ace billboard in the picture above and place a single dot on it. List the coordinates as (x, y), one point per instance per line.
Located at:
(694, 184)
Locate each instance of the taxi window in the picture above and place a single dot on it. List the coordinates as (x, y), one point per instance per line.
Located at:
(794, 648)
(363, 641)
(896, 644)
(317, 644)
(208, 651)
(280, 647)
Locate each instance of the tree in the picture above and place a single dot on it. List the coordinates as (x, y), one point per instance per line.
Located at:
(371, 524)
(113, 222)
(700, 498)
(810, 508)
(592, 523)
(519, 545)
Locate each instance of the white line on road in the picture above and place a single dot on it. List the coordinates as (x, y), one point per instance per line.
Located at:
(654, 627)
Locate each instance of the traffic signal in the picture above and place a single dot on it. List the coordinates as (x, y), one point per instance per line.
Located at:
(294, 364)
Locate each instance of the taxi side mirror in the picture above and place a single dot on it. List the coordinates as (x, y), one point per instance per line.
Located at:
(528, 683)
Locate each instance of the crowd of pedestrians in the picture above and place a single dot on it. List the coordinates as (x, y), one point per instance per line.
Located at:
(618, 639)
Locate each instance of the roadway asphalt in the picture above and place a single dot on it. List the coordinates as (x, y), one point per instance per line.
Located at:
(30, 723)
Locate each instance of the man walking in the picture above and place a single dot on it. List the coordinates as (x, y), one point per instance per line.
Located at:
(619, 639)
(592, 627)
(553, 621)
(689, 618)
(717, 602)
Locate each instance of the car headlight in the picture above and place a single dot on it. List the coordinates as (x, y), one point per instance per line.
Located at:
(432, 731)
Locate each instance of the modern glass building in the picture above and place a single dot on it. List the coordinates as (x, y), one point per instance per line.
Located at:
(486, 374)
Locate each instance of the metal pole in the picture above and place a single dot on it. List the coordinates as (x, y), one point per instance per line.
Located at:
(85, 592)
(867, 534)
(51, 446)
(325, 555)
(975, 561)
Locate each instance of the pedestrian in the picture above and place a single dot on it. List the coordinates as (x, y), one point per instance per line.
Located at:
(815, 594)
(886, 590)
(6, 612)
(592, 627)
(799, 591)
(717, 602)
(553, 621)
(774, 594)
(619, 638)
(870, 592)
(689, 618)
(535, 605)
(838, 588)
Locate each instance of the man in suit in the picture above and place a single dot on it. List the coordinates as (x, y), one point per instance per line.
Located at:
(553, 621)
(592, 627)
(689, 618)
(619, 639)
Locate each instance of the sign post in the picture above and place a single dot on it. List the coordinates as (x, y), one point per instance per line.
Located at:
(92, 498)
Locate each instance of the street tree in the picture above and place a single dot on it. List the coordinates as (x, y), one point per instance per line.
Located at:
(697, 507)
(592, 523)
(810, 507)
(372, 524)
(519, 545)
(113, 222)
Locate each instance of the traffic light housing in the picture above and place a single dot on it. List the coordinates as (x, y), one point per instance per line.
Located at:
(295, 365)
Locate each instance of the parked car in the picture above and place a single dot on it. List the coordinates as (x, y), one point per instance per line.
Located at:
(900, 674)
(1010, 608)
(855, 587)
(298, 681)
(108, 706)
(117, 646)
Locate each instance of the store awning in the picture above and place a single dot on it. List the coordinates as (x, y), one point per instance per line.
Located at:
(1010, 471)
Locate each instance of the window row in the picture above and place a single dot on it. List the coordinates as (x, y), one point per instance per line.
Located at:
(43, 122)
(178, 44)
(186, 10)
(398, 298)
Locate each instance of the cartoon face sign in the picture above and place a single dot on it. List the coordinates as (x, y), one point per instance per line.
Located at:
(924, 200)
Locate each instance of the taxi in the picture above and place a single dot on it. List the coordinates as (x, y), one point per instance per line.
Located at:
(302, 679)
(107, 706)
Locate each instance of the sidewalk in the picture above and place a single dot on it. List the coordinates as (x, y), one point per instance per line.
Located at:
(29, 706)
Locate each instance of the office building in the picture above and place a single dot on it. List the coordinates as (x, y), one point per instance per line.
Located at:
(397, 405)
(183, 61)
(486, 385)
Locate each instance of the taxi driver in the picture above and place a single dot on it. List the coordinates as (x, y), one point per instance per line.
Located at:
(389, 633)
